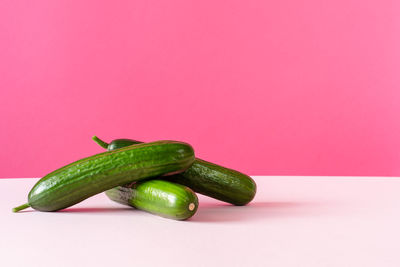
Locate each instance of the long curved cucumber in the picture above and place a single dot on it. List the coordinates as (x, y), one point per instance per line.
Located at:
(163, 198)
(95, 174)
(205, 177)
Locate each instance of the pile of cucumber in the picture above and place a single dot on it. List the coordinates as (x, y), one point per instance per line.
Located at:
(158, 177)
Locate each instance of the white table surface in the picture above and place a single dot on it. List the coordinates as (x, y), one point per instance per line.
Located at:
(293, 221)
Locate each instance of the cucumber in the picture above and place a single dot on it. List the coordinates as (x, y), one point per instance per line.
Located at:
(115, 144)
(205, 178)
(163, 198)
(84, 178)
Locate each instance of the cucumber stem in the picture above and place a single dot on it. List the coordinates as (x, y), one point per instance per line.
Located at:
(100, 142)
(192, 206)
(22, 207)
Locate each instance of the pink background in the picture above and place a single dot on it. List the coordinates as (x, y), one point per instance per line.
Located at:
(266, 87)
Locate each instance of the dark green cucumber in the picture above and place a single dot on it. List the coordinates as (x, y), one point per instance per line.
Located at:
(205, 178)
(163, 198)
(115, 144)
(92, 175)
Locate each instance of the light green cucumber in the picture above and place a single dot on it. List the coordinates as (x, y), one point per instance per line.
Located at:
(163, 198)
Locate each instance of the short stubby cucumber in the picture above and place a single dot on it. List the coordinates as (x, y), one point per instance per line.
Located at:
(205, 177)
(84, 178)
(163, 198)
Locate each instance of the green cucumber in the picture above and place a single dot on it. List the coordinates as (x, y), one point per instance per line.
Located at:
(84, 178)
(115, 144)
(163, 198)
(205, 178)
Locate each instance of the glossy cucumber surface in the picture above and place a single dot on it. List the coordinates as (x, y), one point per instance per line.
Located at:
(205, 178)
(163, 198)
(95, 174)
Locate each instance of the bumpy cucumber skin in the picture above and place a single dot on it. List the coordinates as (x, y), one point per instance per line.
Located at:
(84, 178)
(163, 198)
(209, 179)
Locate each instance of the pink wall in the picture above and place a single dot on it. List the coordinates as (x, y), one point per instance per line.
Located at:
(266, 87)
